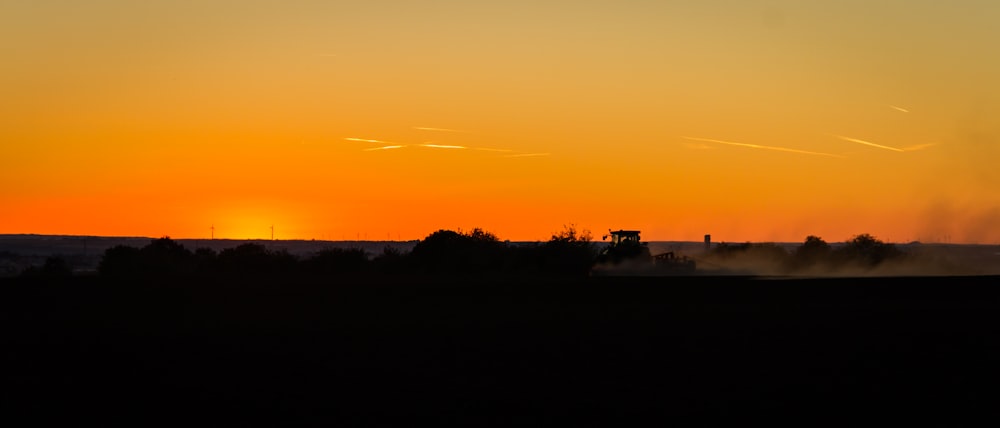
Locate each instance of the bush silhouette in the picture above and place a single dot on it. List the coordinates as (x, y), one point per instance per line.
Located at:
(569, 252)
(255, 259)
(206, 260)
(391, 261)
(764, 250)
(336, 261)
(53, 267)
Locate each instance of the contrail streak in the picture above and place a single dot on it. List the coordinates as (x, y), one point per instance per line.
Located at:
(756, 146)
(441, 146)
(424, 128)
(900, 109)
(868, 143)
(363, 140)
(386, 145)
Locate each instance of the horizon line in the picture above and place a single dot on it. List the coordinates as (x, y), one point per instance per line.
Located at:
(734, 242)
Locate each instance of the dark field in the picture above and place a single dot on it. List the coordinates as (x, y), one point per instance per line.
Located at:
(589, 352)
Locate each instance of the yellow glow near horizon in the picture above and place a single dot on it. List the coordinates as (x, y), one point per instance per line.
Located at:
(341, 119)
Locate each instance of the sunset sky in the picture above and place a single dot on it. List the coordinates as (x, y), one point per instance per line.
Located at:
(390, 119)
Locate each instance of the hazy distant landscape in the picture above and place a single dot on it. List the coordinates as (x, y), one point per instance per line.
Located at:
(19, 252)
(85, 252)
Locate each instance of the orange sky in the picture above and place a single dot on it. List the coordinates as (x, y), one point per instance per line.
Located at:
(748, 120)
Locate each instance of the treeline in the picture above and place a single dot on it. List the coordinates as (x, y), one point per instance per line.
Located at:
(444, 252)
(478, 252)
(863, 252)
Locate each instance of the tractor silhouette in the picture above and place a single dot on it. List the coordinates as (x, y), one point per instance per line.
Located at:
(626, 253)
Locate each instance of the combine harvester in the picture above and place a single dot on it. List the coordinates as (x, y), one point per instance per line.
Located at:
(627, 255)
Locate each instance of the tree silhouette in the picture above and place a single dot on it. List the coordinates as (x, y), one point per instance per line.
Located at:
(867, 251)
(812, 252)
(161, 257)
(120, 261)
(447, 251)
(165, 256)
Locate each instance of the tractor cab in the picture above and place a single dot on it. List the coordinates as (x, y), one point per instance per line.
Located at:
(623, 237)
(624, 245)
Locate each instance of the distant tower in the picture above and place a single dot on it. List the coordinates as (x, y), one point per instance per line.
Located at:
(708, 242)
(272, 232)
(213, 232)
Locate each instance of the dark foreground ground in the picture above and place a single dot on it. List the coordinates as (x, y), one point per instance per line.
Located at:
(595, 352)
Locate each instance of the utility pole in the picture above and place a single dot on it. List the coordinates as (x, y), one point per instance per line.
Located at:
(213, 232)
(272, 232)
